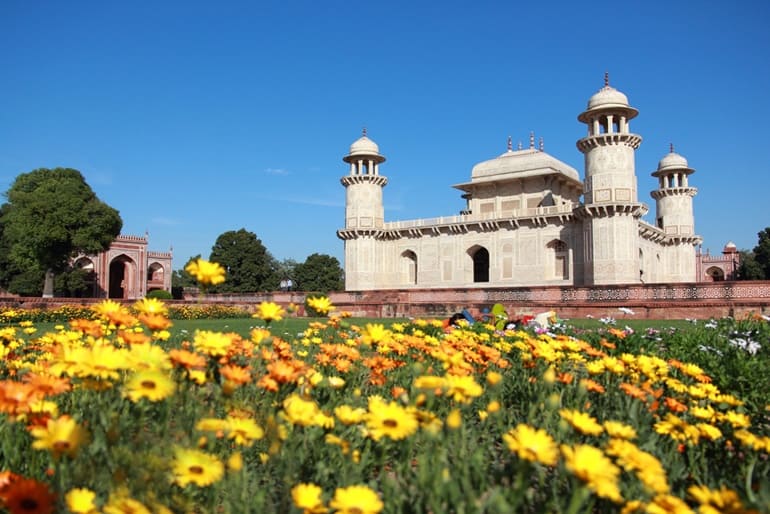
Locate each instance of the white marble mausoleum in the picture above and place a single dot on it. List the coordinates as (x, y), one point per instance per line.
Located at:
(530, 220)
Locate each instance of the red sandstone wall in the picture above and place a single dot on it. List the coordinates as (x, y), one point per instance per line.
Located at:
(651, 301)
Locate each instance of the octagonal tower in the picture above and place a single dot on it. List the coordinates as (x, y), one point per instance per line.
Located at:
(611, 210)
(364, 213)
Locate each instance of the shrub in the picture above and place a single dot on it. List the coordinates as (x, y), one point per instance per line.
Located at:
(160, 294)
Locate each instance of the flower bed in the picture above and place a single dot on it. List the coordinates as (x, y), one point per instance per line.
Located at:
(111, 413)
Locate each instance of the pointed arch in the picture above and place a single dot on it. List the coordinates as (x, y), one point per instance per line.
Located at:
(558, 260)
(480, 259)
(408, 267)
(715, 274)
(122, 277)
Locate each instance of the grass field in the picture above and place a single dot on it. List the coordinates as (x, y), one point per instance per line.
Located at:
(290, 327)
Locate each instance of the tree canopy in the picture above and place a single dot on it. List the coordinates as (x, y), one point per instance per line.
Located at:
(52, 215)
(248, 264)
(762, 252)
(755, 264)
(319, 272)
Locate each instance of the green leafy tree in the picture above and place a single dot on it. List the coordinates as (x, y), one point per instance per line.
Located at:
(51, 215)
(749, 268)
(762, 252)
(319, 272)
(74, 282)
(248, 264)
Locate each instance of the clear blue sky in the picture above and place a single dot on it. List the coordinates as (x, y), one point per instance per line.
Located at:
(196, 118)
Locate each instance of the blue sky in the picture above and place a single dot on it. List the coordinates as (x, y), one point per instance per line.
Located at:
(197, 118)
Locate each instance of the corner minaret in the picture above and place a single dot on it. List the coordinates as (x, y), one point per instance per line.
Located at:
(611, 210)
(364, 212)
(674, 215)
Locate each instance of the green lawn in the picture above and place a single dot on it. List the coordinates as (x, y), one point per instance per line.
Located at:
(290, 327)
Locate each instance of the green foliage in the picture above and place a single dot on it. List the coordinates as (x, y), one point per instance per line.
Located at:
(160, 294)
(319, 272)
(74, 283)
(249, 266)
(762, 252)
(51, 216)
(749, 268)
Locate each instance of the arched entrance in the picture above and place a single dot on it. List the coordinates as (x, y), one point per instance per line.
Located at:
(715, 274)
(121, 275)
(409, 267)
(480, 256)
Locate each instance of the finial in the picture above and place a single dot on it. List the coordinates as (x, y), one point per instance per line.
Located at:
(510, 144)
(519, 147)
(671, 147)
(541, 143)
(606, 79)
(363, 132)
(531, 140)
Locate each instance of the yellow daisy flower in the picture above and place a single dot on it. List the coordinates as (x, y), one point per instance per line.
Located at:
(61, 436)
(308, 498)
(269, 311)
(356, 499)
(534, 445)
(244, 431)
(197, 467)
(151, 384)
(205, 272)
(81, 501)
(582, 422)
(591, 466)
(389, 420)
(215, 344)
(321, 304)
(151, 306)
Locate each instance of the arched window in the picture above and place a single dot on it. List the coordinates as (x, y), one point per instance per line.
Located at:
(559, 261)
(409, 267)
(155, 272)
(480, 256)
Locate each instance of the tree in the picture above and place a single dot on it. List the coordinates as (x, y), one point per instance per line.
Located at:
(248, 264)
(749, 268)
(319, 272)
(51, 216)
(762, 252)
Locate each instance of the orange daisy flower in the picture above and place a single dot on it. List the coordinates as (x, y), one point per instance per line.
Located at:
(27, 496)
(187, 359)
(236, 374)
(155, 321)
(48, 385)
